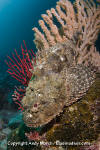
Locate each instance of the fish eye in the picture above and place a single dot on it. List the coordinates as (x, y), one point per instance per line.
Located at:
(32, 89)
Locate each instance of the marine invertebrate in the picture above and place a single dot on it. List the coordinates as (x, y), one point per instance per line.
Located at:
(19, 93)
(79, 22)
(20, 69)
(63, 71)
(33, 135)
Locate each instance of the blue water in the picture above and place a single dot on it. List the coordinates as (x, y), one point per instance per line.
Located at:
(17, 18)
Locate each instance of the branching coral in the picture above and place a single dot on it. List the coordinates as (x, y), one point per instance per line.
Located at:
(20, 69)
(79, 21)
(19, 93)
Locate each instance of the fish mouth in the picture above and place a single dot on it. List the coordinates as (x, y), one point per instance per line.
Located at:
(45, 114)
(37, 123)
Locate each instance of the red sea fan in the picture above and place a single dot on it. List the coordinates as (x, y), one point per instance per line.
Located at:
(33, 136)
(19, 93)
(19, 68)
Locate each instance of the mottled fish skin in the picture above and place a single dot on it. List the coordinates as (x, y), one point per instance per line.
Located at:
(59, 82)
(46, 100)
